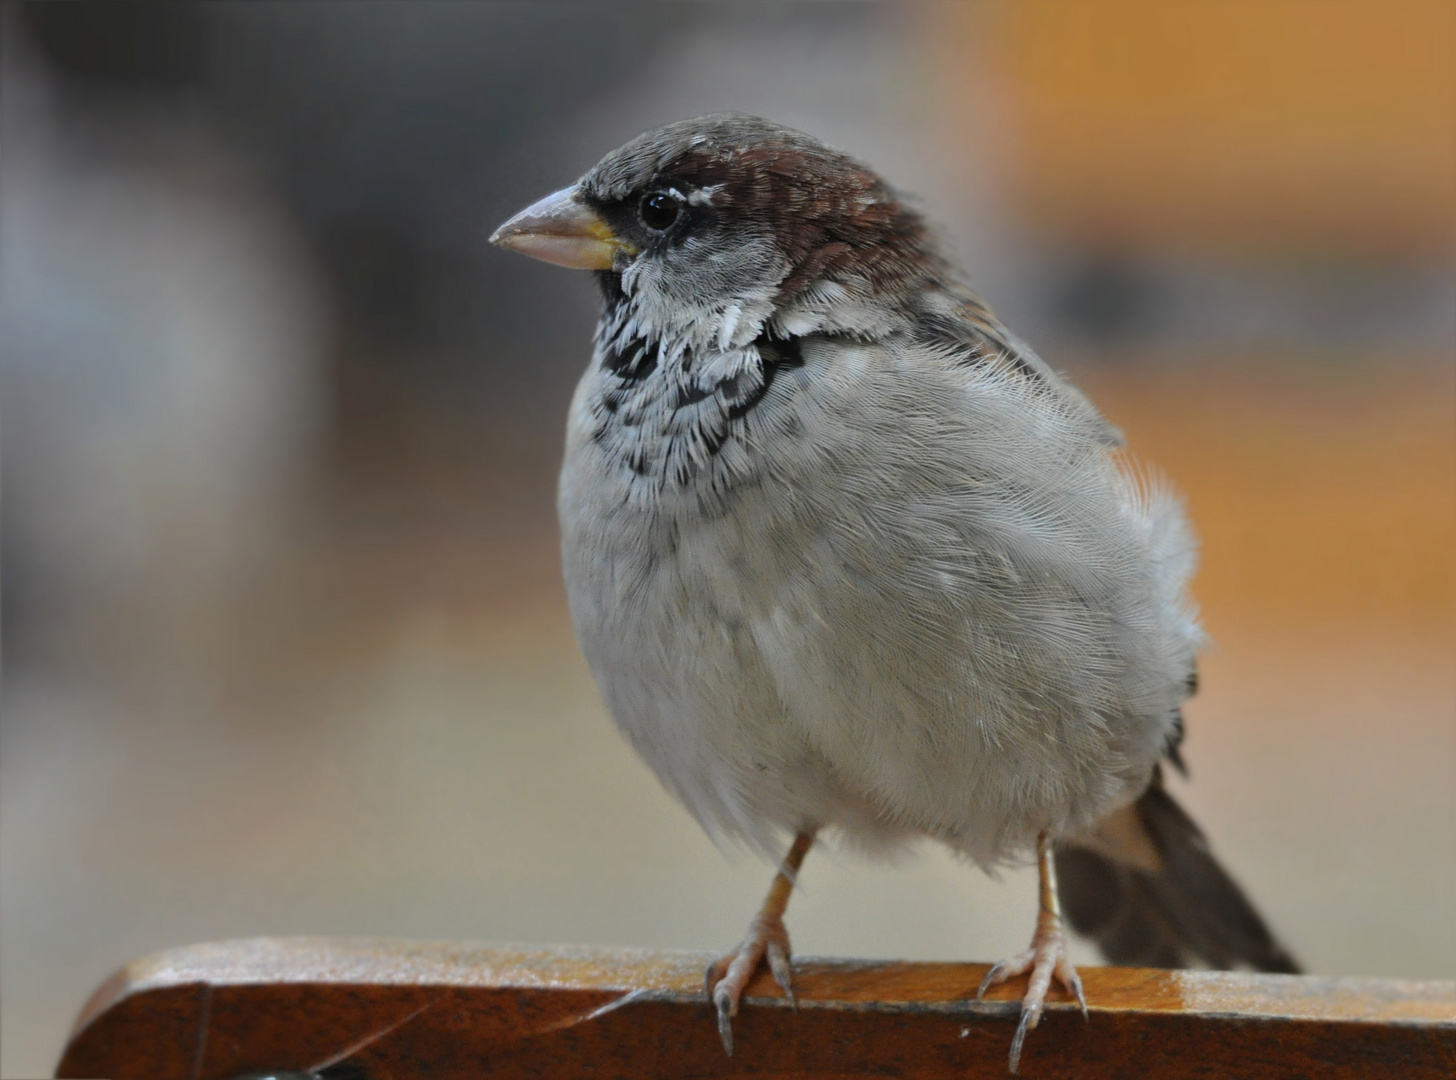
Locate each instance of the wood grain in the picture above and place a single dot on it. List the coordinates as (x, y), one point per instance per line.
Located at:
(375, 1009)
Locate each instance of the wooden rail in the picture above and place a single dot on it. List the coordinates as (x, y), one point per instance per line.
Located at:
(373, 1009)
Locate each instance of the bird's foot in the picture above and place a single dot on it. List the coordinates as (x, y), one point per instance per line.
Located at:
(726, 979)
(1046, 957)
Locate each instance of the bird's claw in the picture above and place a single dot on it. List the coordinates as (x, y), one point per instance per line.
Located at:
(778, 965)
(999, 973)
(726, 978)
(727, 1006)
(1046, 958)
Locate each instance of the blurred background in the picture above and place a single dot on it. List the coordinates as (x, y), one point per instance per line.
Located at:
(285, 644)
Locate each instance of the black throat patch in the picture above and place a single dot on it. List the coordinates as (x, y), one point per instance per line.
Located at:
(668, 419)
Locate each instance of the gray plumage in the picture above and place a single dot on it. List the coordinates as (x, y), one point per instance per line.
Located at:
(913, 591)
(844, 554)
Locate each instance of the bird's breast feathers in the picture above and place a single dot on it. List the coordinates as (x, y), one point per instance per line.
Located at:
(930, 576)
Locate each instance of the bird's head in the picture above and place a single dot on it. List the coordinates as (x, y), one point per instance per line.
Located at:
(727, 225)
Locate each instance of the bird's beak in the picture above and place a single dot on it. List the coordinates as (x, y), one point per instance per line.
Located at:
(562, 229)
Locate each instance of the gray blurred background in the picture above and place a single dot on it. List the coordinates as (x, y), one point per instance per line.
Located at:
(285, 647)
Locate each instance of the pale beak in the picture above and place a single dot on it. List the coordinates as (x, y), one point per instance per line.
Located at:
(562, 229)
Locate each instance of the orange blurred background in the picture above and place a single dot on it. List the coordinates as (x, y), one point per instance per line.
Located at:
(1318, 126)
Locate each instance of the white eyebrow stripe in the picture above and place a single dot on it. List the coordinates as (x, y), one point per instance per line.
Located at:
(704, 196)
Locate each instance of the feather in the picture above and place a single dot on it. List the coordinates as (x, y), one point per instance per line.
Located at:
(1148, 891)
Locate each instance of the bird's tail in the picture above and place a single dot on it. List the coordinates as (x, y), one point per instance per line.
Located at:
(1146, 888)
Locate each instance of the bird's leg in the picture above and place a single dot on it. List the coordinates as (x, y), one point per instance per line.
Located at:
(1046, 957)
(766, 940)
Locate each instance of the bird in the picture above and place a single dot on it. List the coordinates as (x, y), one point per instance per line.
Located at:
(847, 558)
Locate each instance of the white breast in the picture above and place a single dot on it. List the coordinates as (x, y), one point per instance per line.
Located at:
(905, 596)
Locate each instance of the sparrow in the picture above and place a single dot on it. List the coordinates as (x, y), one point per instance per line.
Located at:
(845, 556)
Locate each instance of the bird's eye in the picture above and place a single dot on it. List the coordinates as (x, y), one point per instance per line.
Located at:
(659, 210)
